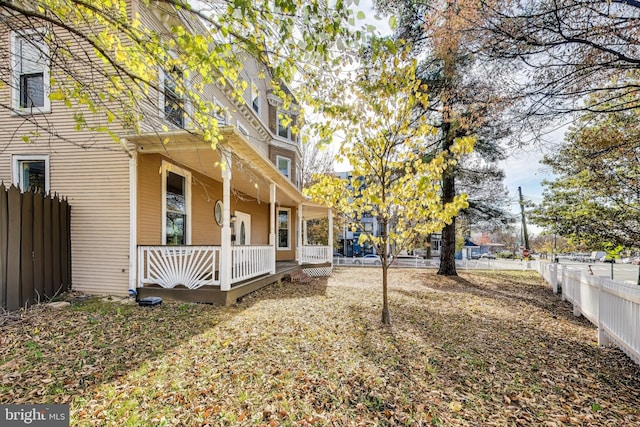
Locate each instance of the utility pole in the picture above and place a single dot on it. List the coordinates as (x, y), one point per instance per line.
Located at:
(524, 221)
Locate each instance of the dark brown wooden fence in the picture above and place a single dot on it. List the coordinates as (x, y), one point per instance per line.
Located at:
(35, 247)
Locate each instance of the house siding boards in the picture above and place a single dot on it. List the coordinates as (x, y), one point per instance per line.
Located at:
(149, 199)
(99, 201)
(91, 171)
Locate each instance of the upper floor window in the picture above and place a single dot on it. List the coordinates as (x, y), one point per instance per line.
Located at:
(284, 165)
(30, 88)
(31, 172)
(173, 99)
(284, 125)
(256, 99)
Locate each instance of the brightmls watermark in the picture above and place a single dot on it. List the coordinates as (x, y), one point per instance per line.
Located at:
(34, 415)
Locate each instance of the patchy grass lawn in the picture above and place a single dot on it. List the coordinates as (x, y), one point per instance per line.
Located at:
(488, 348)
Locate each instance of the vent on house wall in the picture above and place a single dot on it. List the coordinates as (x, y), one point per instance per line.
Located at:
(242, 129)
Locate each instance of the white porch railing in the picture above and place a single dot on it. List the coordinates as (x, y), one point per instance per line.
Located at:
(170, 266)
(251, 261)
(614, 307)
(316, 254)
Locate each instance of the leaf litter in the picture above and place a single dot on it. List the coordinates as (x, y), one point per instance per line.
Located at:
(483, 349)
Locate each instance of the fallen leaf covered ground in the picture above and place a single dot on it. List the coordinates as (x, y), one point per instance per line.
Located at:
(484, 349)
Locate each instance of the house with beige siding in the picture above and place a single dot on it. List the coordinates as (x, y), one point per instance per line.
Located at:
(161, 212)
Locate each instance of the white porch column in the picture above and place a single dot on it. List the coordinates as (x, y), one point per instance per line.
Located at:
(330, 237)
(272, 225)
(299, 235)
(225, 250)
(133, 221)
(305, 239)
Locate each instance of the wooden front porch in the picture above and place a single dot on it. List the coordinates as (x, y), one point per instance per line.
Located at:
(212, 294)
(203, 274)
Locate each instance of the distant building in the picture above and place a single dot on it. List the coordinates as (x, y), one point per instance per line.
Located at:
(348, 239)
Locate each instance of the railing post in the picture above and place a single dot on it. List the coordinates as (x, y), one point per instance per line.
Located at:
(564, 284)
(554, 277)
(299, 234)
(603, 339)
(330, 237)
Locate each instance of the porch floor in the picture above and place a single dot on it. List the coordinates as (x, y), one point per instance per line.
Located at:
(213, 294)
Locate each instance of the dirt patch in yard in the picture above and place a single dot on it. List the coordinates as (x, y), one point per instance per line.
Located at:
(486, 348)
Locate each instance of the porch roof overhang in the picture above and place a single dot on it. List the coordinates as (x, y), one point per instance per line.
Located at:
(252, 171)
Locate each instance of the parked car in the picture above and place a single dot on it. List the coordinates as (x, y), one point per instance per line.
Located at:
(635, 261)
(487, 256)
(369, 259)
(607, 258)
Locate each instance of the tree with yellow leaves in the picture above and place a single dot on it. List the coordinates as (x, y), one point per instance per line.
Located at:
(392, 179)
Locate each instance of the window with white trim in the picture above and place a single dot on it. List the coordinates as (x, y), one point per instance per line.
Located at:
(284, 165)
(284, 130)
(174, 104)
(256, 99)
(176, 205)
(31, 172)
(30, 67)
(284, 228)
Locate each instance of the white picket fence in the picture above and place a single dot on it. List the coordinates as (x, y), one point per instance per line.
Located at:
(614, 307)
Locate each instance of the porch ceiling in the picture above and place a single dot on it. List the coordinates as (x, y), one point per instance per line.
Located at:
(252, 171)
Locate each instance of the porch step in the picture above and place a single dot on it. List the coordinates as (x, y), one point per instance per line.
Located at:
(299, 276)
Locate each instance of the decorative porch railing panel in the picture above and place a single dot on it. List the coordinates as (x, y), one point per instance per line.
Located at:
(251, 261)
(316, 254)
(170, 266)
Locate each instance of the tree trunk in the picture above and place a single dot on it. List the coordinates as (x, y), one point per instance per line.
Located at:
(448, 249)
(386, 314)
